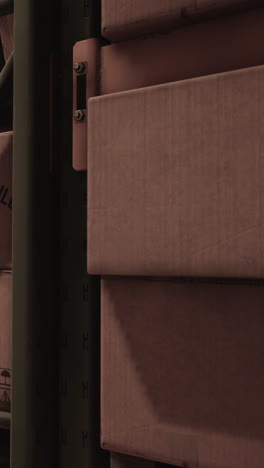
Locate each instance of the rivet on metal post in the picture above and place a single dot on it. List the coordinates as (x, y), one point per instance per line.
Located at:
(79, 67)
(79, 115)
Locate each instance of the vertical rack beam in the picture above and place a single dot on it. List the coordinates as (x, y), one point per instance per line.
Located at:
(35, 263)
(80, 293)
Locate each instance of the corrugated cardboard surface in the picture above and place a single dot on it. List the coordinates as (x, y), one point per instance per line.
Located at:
(6, 142)
(123, 19)
(200, 49)
(218, 3)
(182, 372)
(5, 339)
(6, 34)
(176, 179)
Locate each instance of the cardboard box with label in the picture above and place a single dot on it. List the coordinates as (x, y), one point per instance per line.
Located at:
(5, 339)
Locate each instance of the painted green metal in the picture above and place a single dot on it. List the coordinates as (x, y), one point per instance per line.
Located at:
(35, 227)
(6, 7)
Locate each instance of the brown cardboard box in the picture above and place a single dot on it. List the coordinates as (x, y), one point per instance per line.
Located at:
(5, 339)
(6, 141)
(182, 372)
(214, 4)
(214, 46)
(124, 19)
(176, 179)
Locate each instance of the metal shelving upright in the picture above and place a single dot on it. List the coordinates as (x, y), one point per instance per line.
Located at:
(35, 242)
(56, 305)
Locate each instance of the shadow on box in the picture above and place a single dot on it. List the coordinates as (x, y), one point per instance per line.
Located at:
(198, 350)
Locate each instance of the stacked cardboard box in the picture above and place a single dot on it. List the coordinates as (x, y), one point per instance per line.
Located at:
(125, 19)
(175, 191)
(5, 199)
(176, 188)
(5, 268)
(215, 46)
(182, 372)
(5, 339)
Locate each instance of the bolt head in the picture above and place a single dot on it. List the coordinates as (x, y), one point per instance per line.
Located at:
(79, 67)
(79, 115)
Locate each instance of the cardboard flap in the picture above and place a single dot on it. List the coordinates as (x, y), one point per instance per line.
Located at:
(215, 46)
(126, 19)
(176, 179)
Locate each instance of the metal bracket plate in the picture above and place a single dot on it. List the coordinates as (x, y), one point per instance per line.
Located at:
(85, 85)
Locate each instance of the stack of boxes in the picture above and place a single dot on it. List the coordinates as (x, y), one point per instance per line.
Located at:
(6, 141)
(175, 229)
(6, 149)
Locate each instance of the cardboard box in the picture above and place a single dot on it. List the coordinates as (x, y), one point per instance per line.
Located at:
(182, 372)
(214, 46)
(6, 148)
(176, 179)
(5, 339)
(126, 19)
(123, 19)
